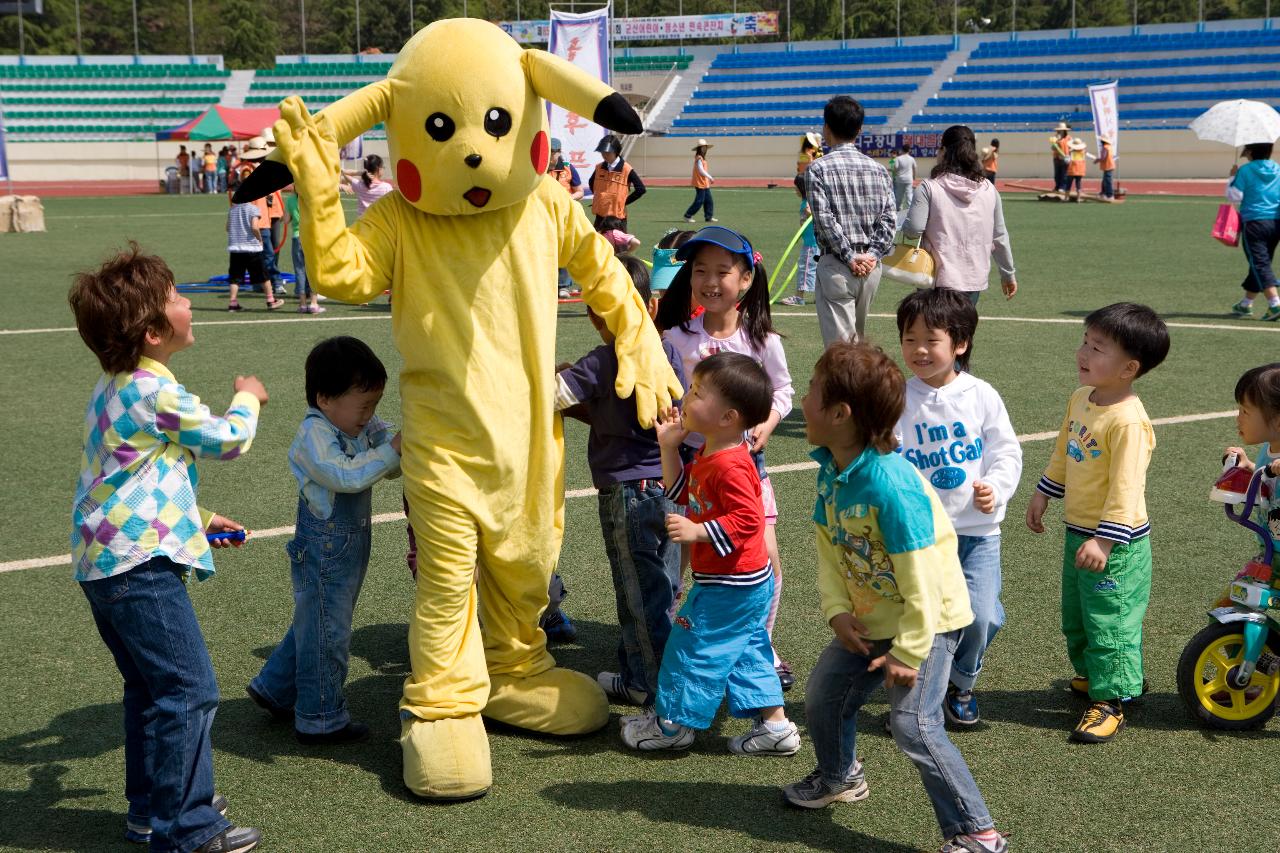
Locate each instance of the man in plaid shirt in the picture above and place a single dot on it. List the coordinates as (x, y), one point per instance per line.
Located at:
(851, 197)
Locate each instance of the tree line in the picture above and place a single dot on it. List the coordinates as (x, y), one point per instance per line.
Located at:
(250, 33)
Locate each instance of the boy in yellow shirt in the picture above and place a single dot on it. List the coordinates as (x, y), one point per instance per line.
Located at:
(1099, 468)
(893, 593)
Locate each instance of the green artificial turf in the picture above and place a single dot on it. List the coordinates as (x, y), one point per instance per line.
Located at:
(1165, 784)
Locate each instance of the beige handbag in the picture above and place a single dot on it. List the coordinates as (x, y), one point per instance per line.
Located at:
(908, 264)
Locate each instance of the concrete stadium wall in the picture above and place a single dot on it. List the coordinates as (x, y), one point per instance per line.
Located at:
(1143, 154)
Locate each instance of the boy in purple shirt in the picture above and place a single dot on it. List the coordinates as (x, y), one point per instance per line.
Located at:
(626, 469)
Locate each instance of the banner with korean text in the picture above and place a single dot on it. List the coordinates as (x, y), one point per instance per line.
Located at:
(723, 25)
(583, 39)
(1106, 114)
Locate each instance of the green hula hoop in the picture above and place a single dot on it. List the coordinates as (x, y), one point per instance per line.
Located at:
(780, 286)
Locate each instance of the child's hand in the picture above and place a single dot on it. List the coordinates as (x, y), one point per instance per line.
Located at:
(670, 429)
(1273, 468)
(851, 633)
(895, 671)
(1035, 512)
(984, 497)
(684, 531)
(1242, 458)
(222, 524)
(760, 435)
(253, 386)
(395, 443)
(1093, 554)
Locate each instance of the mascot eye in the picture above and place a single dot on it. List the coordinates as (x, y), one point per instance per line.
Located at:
(439, 126)
(497, 122)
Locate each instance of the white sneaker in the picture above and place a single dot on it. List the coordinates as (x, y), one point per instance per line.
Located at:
(644, 733)
(762, 740)
(814, 792)
(619, 693)
(688, 219)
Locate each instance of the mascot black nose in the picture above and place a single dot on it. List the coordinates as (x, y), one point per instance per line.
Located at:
(473, 160)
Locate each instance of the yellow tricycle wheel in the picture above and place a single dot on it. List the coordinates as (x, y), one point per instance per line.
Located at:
(1206, 662)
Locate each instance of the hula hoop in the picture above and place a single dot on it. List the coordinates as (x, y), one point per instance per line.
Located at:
(777, 291)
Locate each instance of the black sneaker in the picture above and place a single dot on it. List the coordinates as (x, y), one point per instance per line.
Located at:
(785, 676)
(281, 715)
(350, 733)
(234, 839)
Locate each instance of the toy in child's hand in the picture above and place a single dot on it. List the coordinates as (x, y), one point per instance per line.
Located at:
(227, 536)
(1230, 488)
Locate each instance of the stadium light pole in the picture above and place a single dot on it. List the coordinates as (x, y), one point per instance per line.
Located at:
(1073, 17)
(79, 48)
(357, 26)
(191, 26)
(1013, 22)
(22, 39)
(302, 23)
(411, 29)
(842, 21)
(899, 7)
(135, 27)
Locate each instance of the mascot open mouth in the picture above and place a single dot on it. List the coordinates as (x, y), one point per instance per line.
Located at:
(478, 196)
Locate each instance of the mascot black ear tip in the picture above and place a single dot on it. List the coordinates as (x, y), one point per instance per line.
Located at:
(262, 181)
(614, 113)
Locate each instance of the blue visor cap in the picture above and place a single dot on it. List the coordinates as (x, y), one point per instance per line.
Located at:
(725, 238)
(665, 267)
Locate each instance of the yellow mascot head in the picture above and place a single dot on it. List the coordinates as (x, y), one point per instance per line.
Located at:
(465, 121)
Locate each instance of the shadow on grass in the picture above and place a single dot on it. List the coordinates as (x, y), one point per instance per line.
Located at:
(34, 821)
(707, 805)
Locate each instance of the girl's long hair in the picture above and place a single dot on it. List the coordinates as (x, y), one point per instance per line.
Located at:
(753, 308)
(958, 154)
(372, 163)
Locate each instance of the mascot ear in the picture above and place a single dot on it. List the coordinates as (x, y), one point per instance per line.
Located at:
(347, 118)
(566, 85)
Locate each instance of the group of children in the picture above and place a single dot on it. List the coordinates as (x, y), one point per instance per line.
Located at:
(914, 479)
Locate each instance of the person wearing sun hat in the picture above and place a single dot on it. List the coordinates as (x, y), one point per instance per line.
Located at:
(1060, 144)
(614, 183)
(270, 209)
(1107, 163)
(702, 182)
(1075, 168)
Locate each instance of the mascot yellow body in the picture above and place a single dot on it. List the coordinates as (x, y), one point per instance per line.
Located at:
(470, 245)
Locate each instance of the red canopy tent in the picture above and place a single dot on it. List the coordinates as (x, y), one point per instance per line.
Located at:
(219, 122)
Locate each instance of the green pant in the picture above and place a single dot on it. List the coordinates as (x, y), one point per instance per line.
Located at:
(1102, 616)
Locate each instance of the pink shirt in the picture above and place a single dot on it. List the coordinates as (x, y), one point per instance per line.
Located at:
(368, 194)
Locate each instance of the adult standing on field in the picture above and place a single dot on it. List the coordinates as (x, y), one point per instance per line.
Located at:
(854, 219)
(1255, 186)
(958, 212)
(614, 183)
(1060, 145)
(903, 166)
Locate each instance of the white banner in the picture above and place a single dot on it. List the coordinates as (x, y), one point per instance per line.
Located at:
(4, 160)
(723, 25)
(1106, 113)
(582, 39)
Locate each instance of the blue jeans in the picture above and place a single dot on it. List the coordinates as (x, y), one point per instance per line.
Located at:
(719, 642)
(1108, 187)
(980, 559)
(646, 576)
(329, 557)
(301, 287)
(269, 256)
(702, 199)
(146, 619)
(840, 685)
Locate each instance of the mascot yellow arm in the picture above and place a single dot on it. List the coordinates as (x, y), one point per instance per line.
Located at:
(353, 265)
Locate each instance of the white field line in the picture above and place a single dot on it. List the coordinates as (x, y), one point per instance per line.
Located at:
(386, 517)
(1060, 321)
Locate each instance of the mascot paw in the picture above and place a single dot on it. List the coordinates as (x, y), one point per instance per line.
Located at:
(446, 759)
(556, 702)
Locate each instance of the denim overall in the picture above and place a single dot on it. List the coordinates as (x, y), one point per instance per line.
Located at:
(329, 557)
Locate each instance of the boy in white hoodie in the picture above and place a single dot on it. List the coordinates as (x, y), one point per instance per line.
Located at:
(955, 429)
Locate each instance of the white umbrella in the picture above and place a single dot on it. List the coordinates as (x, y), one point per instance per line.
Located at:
(1238, 123)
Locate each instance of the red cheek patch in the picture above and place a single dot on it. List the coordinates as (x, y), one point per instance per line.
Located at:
(408, 181)
(540, 152)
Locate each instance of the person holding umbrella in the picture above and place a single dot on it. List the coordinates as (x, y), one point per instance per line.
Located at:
(1255, 187)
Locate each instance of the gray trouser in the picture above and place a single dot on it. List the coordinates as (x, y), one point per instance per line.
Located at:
(902, 194)
(843, 300)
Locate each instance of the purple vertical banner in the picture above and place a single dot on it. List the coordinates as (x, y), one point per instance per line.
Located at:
(583, 40)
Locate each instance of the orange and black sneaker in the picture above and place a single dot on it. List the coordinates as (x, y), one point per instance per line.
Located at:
(1101, 722)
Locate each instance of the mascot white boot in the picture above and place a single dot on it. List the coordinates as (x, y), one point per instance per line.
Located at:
(470, 245)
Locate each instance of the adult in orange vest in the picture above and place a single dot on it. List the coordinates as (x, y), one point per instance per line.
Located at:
(1107, 163)
(991, 161)
(564, 172)
(701, 182)
(1075, 168)
(614, 184)
(1060, 144)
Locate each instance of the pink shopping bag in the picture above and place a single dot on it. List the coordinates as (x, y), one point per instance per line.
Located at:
(1226, 228)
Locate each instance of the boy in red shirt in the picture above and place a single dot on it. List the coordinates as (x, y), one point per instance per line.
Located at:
(718, 640)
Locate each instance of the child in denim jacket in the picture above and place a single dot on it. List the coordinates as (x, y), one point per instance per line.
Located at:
(341, 449)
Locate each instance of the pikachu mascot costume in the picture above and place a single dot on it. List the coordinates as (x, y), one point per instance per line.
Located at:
(470, 246)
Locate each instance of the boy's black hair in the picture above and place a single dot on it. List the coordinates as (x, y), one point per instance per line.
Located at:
(844, 116)
(945, 309)
(1260, 386)
(639, 275)
(754, 313)
(742, 382)
(338, 365)
(995, 143)
(1136, 329)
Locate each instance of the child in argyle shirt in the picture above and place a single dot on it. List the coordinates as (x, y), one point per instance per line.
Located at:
(137, 532)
